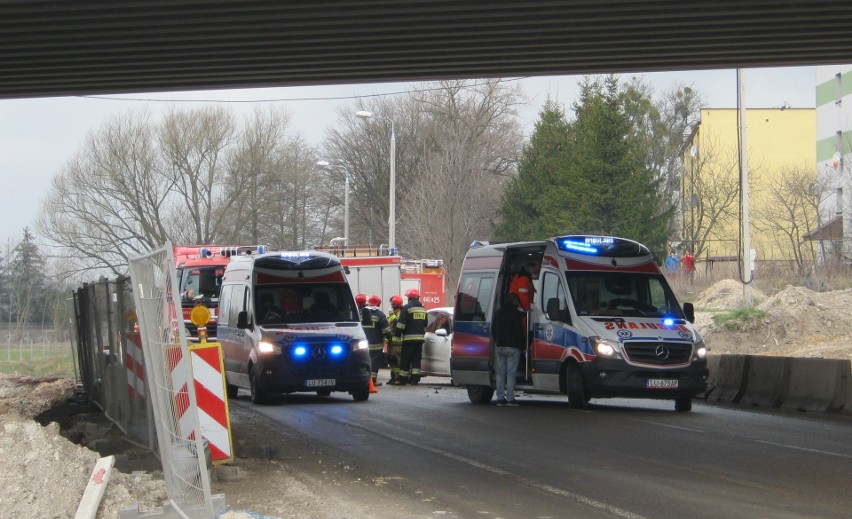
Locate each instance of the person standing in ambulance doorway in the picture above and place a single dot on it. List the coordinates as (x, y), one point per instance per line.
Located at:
(394, 344)
(509, 341)
(377, 330)
(522, 285)
(411, 327)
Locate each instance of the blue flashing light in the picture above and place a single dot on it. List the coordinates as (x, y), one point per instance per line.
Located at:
(336, 350)
(205, 252)
(300, 351)
(577, 246)
(261, 249)
(668, 321)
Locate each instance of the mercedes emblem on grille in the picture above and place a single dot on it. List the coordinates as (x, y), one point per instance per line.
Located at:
(319, 353)
(662, 352)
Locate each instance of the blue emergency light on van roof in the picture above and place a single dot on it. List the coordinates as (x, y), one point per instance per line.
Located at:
(261, 249)
(571, 245)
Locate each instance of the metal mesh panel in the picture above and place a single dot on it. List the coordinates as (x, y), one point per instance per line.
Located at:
(172, 391)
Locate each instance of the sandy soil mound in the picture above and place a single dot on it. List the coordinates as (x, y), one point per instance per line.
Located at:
(44, 474)
(797, 322)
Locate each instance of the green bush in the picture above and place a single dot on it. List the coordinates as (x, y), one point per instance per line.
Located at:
(739, 319)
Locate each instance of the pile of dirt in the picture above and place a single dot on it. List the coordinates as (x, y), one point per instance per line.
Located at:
(795, 322)
(44, 474)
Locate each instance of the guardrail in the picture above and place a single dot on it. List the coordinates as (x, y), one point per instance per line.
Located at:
(821, 385)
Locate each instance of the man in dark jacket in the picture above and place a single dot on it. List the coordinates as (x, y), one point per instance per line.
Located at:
(509, 339)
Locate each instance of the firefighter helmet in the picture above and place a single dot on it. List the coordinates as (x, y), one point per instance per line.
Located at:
(412, 293)
(374, 300)
(361, 300)
(396, 301)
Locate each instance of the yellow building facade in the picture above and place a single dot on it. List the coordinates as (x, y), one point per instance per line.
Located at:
(781, 149)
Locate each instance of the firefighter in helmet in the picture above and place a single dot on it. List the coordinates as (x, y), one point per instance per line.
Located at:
(394, 344)
(377, 330)
(411, 327)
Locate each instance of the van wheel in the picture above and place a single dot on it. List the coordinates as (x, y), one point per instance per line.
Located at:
(323, 392)
(683, 405)
(258, 396)
(360, 395)
(576, 389)
(231, 390)
(480, 394)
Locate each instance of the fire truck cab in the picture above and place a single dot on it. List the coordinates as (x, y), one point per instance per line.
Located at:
(199, 270)
(603, 323)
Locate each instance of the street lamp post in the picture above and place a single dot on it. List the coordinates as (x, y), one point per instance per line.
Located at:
(326, 164)
(392, 205)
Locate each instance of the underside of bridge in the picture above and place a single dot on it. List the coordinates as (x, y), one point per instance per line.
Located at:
(58, 48)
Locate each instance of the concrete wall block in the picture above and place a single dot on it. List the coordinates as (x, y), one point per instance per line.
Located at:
(818, 385)
(766, 381)
(728, 380)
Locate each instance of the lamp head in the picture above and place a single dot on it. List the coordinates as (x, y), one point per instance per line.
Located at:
(363, 114)
(323, 163)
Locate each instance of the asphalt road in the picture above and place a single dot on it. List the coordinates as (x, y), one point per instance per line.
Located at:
(621, 458)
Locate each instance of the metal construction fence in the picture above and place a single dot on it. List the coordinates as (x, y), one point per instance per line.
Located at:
(171, 383)
(109, 357)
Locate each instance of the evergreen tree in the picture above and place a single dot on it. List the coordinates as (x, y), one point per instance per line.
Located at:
(530, 198)
(587, 176)
(26, 280)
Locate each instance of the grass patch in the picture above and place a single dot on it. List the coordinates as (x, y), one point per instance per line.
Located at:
(37, 360)
(739, 319)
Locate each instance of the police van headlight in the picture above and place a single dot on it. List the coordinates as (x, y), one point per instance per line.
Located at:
(268, 347)
(361, 345)
(700, 350)
(604, 347)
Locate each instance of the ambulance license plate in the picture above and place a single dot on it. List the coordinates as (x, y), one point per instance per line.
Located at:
(661, 383)
(320, 382)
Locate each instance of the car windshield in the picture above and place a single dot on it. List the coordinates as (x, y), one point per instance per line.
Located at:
(616, 294)
(304, 303)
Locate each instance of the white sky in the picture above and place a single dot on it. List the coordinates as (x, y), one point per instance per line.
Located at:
(38, 136)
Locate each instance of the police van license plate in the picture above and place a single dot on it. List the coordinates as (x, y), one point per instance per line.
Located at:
(661, 383)
(320, 382)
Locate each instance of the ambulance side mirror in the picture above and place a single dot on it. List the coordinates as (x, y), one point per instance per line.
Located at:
(689, 312)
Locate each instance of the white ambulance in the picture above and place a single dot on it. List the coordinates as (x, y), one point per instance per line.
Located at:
(603, 323)
(288, 323)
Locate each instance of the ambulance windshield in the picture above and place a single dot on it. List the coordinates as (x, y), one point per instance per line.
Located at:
(293, 303)
(616, 294)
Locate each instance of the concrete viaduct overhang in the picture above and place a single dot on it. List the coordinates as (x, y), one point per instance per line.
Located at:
(62, 48)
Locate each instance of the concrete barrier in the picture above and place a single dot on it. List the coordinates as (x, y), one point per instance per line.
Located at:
(713, 368)
(817, 385)
(765, 381)
(728, 379)
(848, 408)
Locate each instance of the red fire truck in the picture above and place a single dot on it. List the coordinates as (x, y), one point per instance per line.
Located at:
(372, 270)
(199, 271)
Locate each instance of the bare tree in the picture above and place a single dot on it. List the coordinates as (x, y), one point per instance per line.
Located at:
(710, 195)
(110, 200)
(790, 211)
(468, 138)
(194, 145)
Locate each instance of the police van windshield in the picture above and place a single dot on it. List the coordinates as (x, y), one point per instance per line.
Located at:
(304, 303)
(616, 294)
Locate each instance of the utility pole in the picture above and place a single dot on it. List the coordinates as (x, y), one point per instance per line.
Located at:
(744, 220)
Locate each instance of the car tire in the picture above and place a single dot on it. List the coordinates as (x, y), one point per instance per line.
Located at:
(231, 390)
(258, 396)
(683, 405)
(480, 394)
(575, 387)
(361, 395)
(323, 392)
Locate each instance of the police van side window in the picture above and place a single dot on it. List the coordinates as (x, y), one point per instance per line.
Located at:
(238, 303)
(224, 305)
(553, 298)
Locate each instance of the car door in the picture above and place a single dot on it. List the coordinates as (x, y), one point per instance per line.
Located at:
(437, 342)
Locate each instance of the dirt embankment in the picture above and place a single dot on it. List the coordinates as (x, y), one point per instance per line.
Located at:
(795, 322)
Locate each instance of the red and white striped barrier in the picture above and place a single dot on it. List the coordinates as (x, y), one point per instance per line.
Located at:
(209, 374)
(135, 368)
